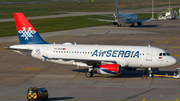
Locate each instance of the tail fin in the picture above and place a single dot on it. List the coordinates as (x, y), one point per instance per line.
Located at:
(26, 32)
(117, 9)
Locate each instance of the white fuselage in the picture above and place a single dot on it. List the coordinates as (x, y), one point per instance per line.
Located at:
(81, 55)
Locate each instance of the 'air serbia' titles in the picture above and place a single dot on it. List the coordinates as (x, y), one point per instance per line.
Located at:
(116, 53)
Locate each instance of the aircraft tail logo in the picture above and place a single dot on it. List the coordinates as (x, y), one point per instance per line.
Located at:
(26, 32)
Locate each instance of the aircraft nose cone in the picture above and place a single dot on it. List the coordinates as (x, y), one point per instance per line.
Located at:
(173, 61)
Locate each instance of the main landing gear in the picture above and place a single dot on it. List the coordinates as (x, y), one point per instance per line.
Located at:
(119, 25)
(90, 72)
(150, 72)
(132, 25)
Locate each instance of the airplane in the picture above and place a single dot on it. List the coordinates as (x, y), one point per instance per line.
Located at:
(101, 59)
(120, 19)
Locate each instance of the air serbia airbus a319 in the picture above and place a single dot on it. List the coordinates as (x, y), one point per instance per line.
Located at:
(129, 18)
(102, 59)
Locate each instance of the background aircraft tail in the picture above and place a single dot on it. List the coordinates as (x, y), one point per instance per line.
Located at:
(117, 9)
(26, 32)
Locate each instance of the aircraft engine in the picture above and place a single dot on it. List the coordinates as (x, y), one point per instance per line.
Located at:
(140, 23)
(111, 69)
(115, 23)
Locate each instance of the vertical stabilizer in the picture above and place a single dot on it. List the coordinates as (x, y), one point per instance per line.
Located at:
(117, 9)
(26, 32)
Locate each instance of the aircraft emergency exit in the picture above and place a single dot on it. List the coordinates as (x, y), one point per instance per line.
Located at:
(120, 19)
(102, 59)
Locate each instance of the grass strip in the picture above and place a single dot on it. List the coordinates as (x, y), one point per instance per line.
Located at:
(59, 24)
(38, 9)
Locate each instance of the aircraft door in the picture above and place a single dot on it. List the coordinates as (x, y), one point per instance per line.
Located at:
(149, 55)
(44, 52)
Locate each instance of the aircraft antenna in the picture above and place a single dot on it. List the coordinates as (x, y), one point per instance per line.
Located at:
(149, 45)
(74, 43)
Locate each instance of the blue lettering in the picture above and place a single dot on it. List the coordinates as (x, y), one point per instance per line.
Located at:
(100, 53)
(132, 54)
(121, 53)
(136, 54)
(127, 54)
(114, 53)
(108, 53)
(104, 52)
(95, 53)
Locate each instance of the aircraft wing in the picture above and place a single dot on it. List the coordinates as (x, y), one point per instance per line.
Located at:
(108, 15)
(86, 61)
(103, 20)
(135, 21)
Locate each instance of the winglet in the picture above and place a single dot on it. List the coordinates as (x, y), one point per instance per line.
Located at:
(26, 32)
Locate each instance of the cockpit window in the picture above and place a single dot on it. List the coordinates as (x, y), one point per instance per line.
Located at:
(160, 54)
(167, 54)
(164, 54)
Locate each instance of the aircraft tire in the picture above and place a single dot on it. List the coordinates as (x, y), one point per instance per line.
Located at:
(89, 74)
(119, 25)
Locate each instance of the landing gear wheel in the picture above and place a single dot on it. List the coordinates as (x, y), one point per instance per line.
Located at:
(89, 74)
(119, 25)
(132, 25)
(150, 72)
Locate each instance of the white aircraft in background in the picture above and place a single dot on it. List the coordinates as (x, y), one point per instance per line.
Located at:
(120, 19)
(102, 59)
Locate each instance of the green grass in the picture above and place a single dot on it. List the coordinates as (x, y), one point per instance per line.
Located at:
(3, 1)
(98, 5)
(58, 24)
(28, 14)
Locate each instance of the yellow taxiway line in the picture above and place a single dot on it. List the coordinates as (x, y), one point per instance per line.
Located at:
(173, 38)
(162, 41)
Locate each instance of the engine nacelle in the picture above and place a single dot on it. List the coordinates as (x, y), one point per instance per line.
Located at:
(140, 23)
(115, 23)
(111, 69)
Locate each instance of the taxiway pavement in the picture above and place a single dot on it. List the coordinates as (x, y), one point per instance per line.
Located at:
(66, 82)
